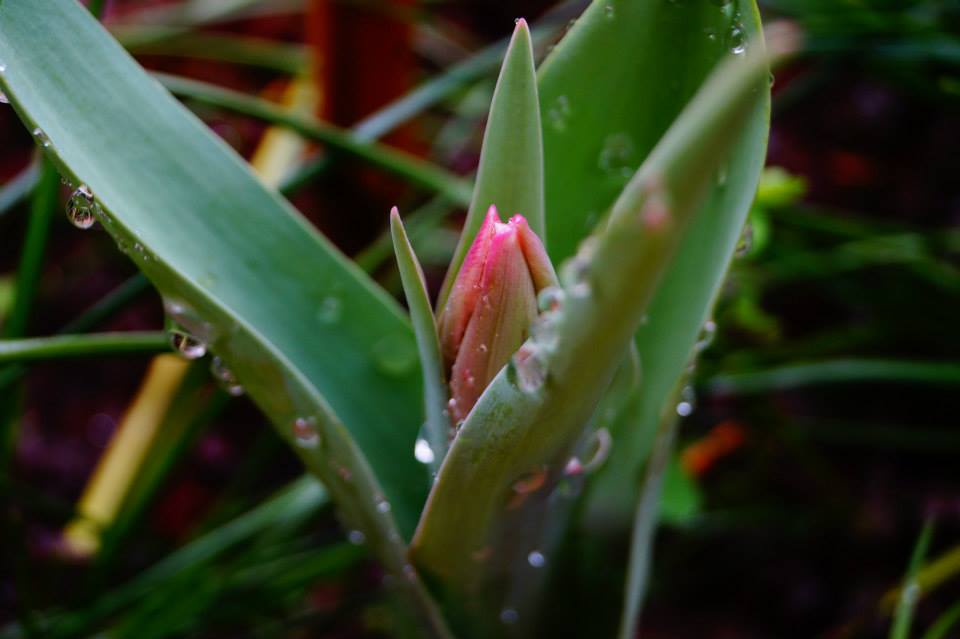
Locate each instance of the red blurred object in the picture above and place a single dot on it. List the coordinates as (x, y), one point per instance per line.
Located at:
(699, 457)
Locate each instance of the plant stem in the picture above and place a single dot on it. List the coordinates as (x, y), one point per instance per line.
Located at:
(97, 345)
(646, 518)
(102, 310)
(403, 164)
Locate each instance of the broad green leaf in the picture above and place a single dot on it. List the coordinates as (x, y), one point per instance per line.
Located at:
(512, 449)
(510, 175)
(326, 354)
(437, 426)
(647, 59)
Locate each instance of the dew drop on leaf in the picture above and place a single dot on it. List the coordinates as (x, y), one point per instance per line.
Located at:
(356, 537)
(395, 355)
(687, 403)
(530, 368)
(82, 208)
(305, 432)
(41, 137)
(330, 310)
(189, 346)
(536, 559)
(225, 377)
(423, 452)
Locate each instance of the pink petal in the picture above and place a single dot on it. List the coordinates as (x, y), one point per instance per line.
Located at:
(505, 308)
(541, 269)
(463, 296)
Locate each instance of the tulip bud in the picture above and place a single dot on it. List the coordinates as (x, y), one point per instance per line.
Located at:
(491, 306)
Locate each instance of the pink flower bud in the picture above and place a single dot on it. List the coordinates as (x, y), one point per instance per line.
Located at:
(491, 305)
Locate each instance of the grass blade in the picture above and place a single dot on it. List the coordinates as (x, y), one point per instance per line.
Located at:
(907, 602)
(428, 343)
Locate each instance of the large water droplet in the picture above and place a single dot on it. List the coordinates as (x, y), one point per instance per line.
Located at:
(305, 432)
(225, 377)
(383, 506)
(528, 368)
(423, 452)
(82, 208)
(395, 355)
(330, 310)
(187, 345)
(536, 559)
(41, 137)
(737, 40)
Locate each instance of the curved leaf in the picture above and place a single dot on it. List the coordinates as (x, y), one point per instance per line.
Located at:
(310, 336)
(650, 57)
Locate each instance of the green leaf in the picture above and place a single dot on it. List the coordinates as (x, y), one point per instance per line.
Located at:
(653, 56)
(310, 336)
(513, 447)
(428, 343)
(510, 175)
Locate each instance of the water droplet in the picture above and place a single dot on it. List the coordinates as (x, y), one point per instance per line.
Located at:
(331, 308)
(482, 348)
(225, 377)
(722, 177)
(3, 68)
(575, 272)
(536, 559)
(140, 251)
(186, 344)
(356, 537)
(423, 452)
(82, 208)
(550, 299)
(738, 42)
(509, 616)
(529, 368)
(707, 333)
(544, 331)
(383, 506)
(559, 113)
(41, 137)
(688, 401)
(573, 468)
(305, 432)
(617, 156)
(395, 355)
(610, 12)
